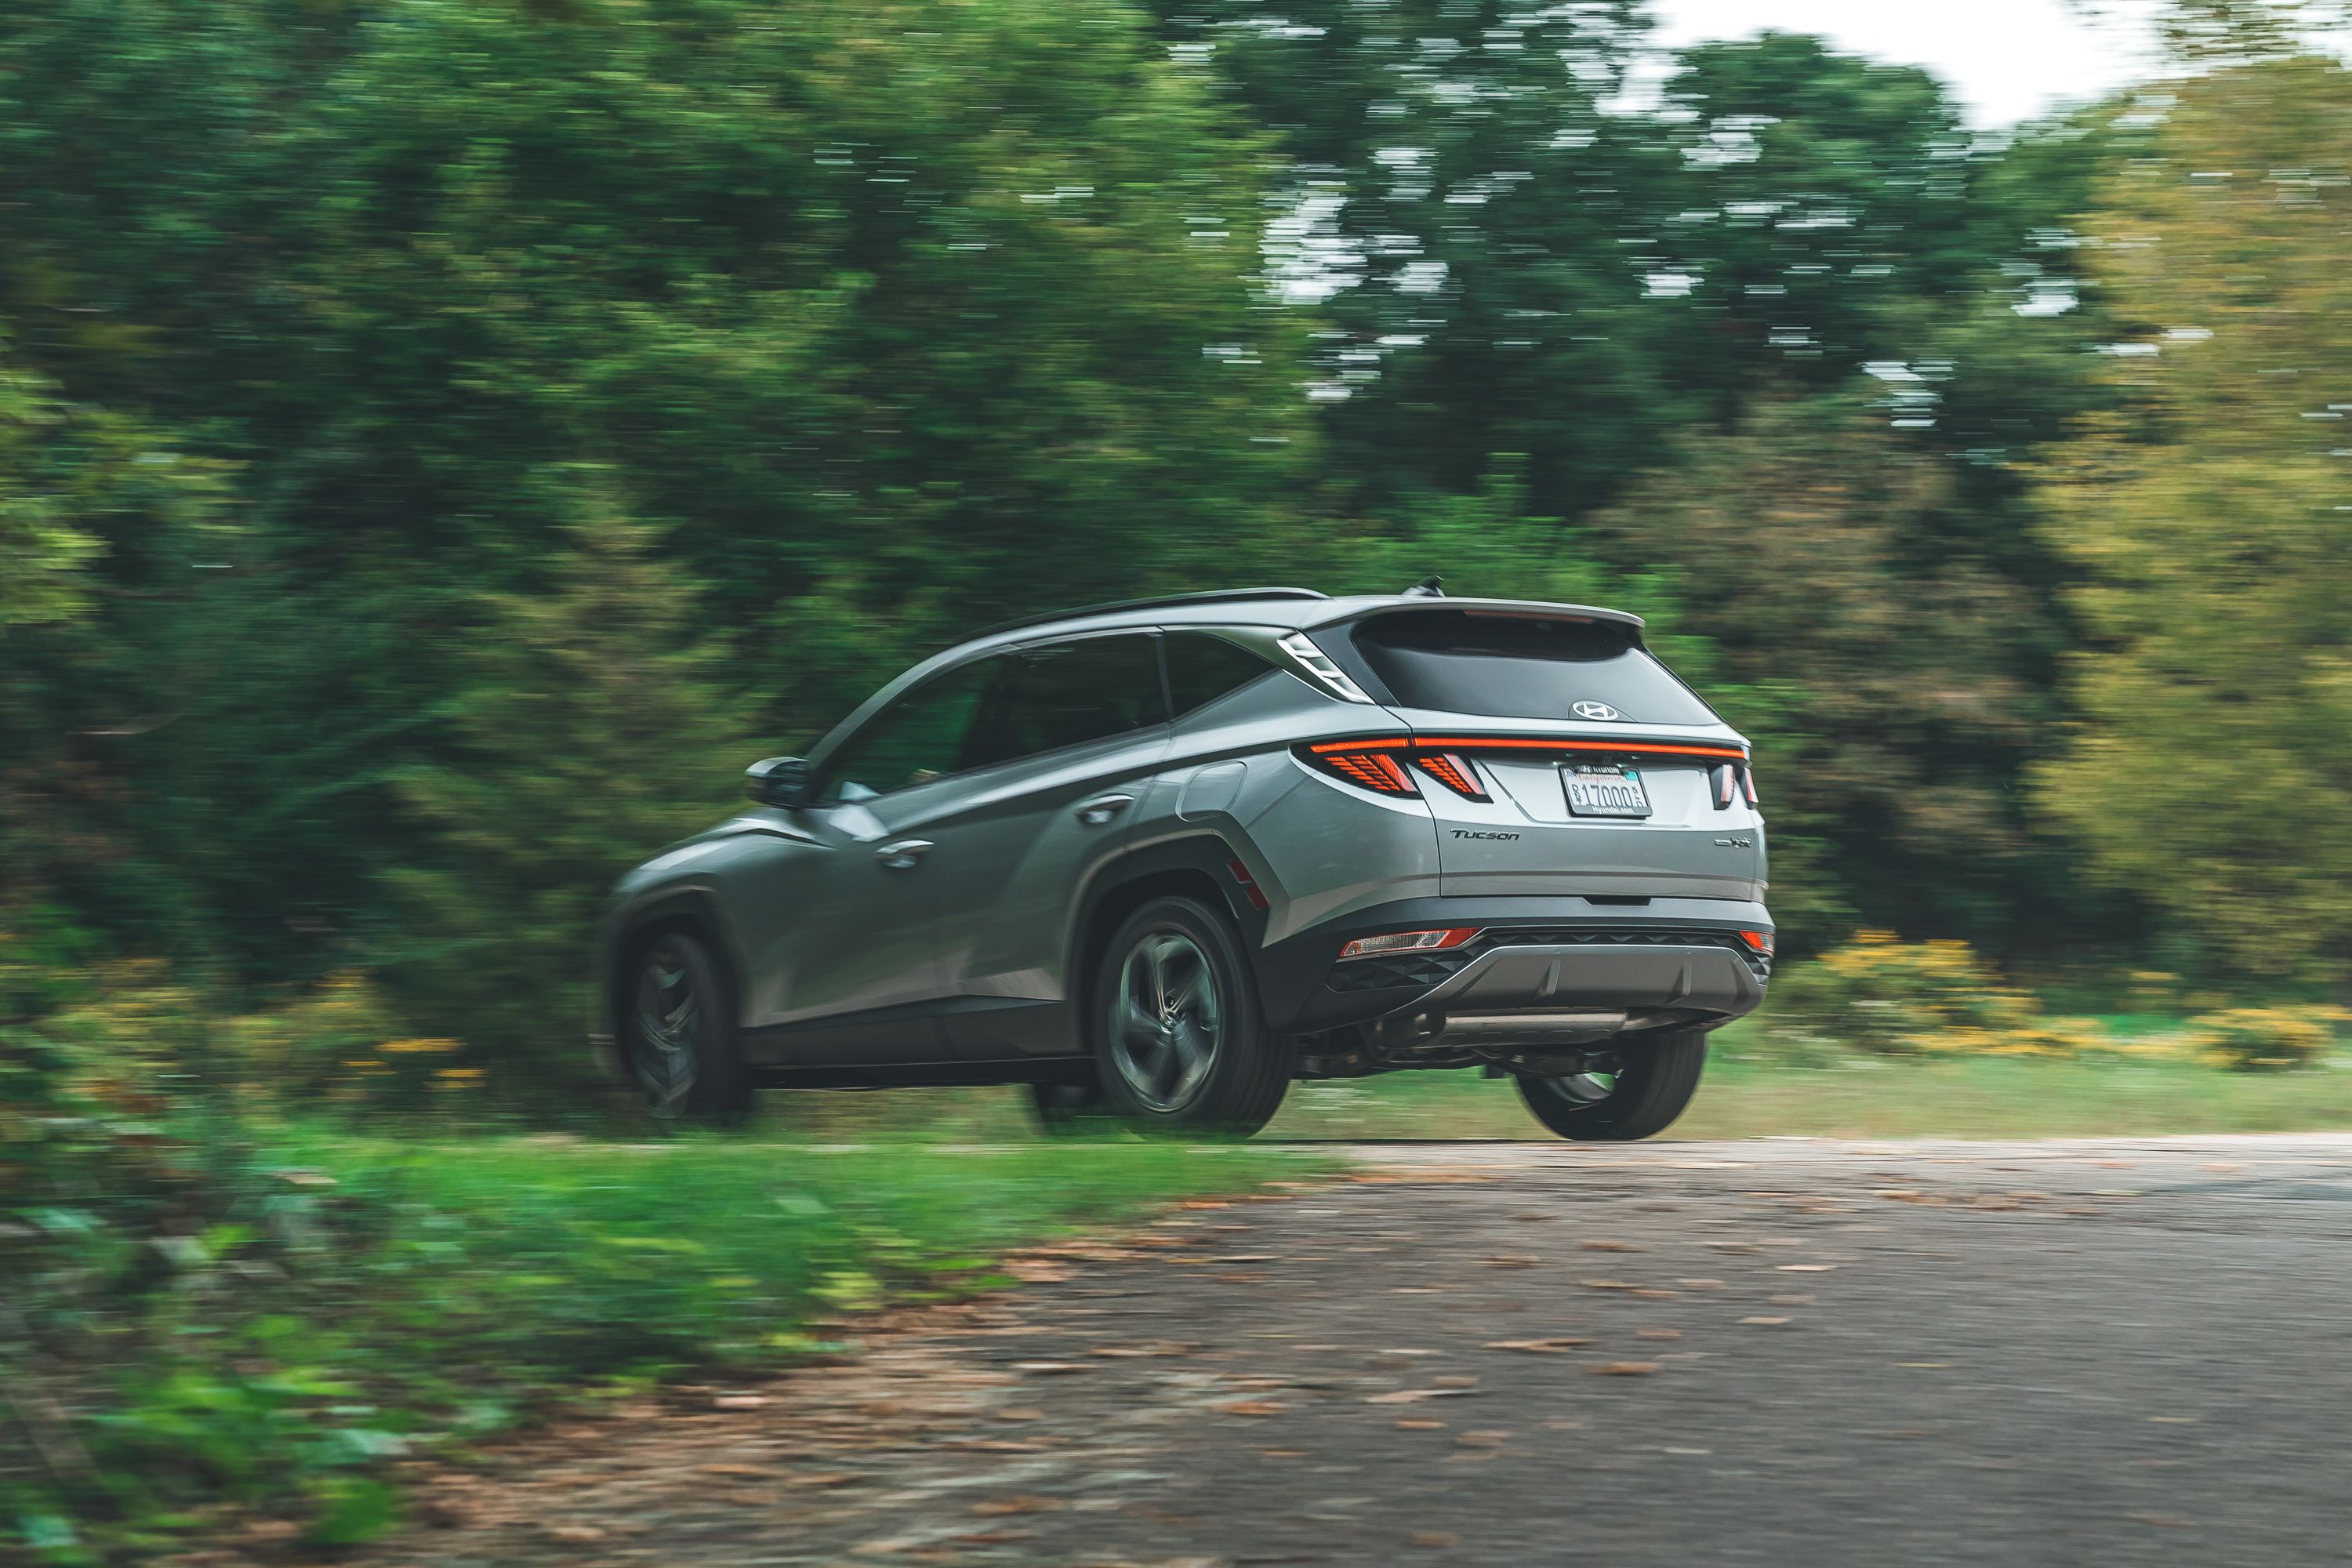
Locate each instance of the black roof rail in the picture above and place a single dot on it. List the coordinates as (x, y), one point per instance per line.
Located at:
(1222, 595)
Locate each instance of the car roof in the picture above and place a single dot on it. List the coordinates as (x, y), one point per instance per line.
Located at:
(1290, 609)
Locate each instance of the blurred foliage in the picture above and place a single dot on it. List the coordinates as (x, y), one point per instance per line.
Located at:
(439, 443)
(1882, 997)
(2208, 519)
(209, 1309)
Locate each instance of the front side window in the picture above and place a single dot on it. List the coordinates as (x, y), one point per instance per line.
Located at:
(1070, 693)
(927, 733)
(1522, 667)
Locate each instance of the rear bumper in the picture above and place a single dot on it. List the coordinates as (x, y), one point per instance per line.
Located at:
(1544, 992)
(1540, 969)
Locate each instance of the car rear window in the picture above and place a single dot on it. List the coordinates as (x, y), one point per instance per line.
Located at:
(1522, 667)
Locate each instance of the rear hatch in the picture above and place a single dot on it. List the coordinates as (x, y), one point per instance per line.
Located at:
(1558, 755)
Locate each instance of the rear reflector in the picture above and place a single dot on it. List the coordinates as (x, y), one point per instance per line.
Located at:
(1408, 942)
(1762, 941)
(1747, 782)
(1250, 890)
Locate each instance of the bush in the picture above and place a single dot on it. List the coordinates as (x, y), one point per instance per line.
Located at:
(1892, 998)
(1886, 998)
(2258, 1039)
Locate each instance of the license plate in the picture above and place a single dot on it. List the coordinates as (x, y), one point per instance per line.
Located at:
(1605, 792)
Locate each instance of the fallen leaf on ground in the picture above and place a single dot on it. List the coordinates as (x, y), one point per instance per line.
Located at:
(1413, 1424)
(1700, 1284)
(1434, 1538)
(1456, 1381)
(734, 1470)
(738, 1402)
(825, 1479)
(1604, 1284)
(1050, 1368)
(1415, 1396)
(1608, 1246)
(1804, 1268)
(573, 1534)
(1513, 1262)
(1482, 1439)
(1652, 1294)
(1536, 1347)
(1657, 1333)
(1791, 1300)
(1769, 1323)
(1025, 1503)
(1253, 1407)
(1622, 1368)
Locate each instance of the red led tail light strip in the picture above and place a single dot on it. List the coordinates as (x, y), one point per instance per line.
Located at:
(1497, 742)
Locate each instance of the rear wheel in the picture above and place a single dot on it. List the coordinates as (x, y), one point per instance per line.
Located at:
(680, 1034)
(1181, 1044)
(1653, 1084)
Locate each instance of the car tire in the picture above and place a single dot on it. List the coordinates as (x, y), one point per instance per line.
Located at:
(1650, 1091)
(1068, 1110)
(677, 1032)
(1179, 1042)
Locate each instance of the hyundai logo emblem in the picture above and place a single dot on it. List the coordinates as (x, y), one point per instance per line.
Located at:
(1595, 710)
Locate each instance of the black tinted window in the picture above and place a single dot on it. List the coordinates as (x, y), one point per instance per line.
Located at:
(1522, 667)
(924, 734)
(1202, 669)
(1073, 692)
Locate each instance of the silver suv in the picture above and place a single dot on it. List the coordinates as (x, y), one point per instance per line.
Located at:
(1155, 860)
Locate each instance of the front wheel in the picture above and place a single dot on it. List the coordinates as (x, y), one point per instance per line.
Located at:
(1181, 1044)
(1642, 1097)
(680, 1034)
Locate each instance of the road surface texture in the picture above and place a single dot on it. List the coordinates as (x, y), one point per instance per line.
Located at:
(1793, 1351)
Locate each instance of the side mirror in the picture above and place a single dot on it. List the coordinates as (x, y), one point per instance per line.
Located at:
(778, 781)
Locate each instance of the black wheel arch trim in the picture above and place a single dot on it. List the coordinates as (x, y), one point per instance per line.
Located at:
(698, 904)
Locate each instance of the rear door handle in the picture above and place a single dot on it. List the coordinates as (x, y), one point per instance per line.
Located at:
(902, 854)
(1098, 812)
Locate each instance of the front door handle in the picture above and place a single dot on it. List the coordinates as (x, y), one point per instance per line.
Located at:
(901, 853)
(1098, 812)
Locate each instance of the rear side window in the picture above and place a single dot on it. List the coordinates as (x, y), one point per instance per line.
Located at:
(1203, 668)
(1522, 667)
(1070, 693)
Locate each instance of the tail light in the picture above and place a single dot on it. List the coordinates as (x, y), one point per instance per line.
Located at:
(1747, 782)
(1455, 772)
(1373, 770)
(1409, 942)
(1762, 941)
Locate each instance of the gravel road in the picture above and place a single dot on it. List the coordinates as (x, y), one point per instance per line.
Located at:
(1793, 1351)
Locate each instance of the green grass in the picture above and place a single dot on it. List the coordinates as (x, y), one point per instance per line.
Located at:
(1867, 1098)
(357, 1297)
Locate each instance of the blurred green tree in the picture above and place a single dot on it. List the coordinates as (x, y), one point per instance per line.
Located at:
(2208, 522)
(596, 720)
(882, 320)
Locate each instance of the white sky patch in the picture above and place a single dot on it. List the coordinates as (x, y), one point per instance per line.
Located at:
(2003, 60)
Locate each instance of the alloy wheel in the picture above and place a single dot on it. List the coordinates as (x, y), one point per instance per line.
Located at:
(670, 1028)
(1167, 1021)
